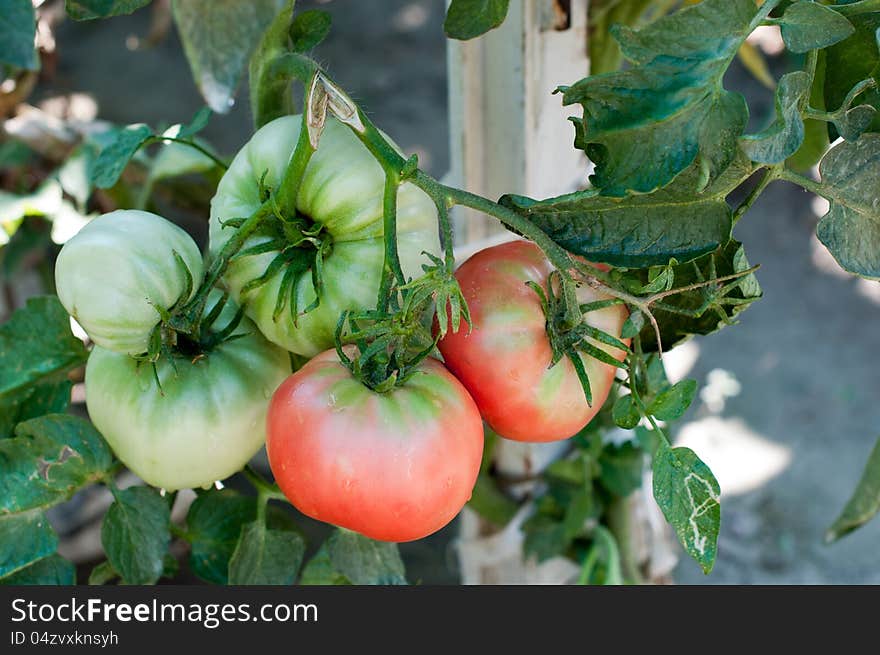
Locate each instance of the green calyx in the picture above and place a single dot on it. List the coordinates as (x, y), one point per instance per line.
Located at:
(569, 332)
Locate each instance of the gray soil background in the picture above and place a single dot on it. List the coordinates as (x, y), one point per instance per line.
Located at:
(789, 446)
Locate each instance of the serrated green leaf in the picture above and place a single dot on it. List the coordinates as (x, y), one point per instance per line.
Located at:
(32, 402)
(807, 25)
(625, 412)
(490, 502)
(852, 60)
(851, 228)
(621, 468)
(786, 134)
(674, 401)
(102, 574)
(136, 533)
(218, 37)
(688, 495)
(645, 125)
(708, 309)
(51, 570)
(864, 502)
(308, 29)
(350, 558)
(467, 19)
(265, 556)
(92, 9)
(24, 539)
(48, 460)
(114, 157)
(18, 26)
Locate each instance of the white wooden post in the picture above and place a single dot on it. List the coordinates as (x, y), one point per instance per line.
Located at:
(509, 133)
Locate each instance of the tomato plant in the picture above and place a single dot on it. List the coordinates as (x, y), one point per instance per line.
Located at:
(394, 466)
(525, 390)
(338, 246)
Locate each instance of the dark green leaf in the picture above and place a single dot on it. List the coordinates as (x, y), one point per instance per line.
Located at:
(350, 558)
(308, 29)
(621, 468)
(51, 570)
(214, 523)
(18, 26)
(91, 9)
(645, 125)
(851, 61)
(633, 325)
(218, 37)
(115, 156)
(198, 123)
(863, 504)
(265, 556)
(579, 508)
(490, 502)
(786, 134)
(24, 539)
(136, 533)
(467, 19)
(807, 25)
(636, 231)
(102, 574)
(688, 494)
(625, 412)
(544, 537)
(851, 228)
(48, 460)
(32, 402)
(707, 309)
(855, 121)
(815, 131)
(674, 401)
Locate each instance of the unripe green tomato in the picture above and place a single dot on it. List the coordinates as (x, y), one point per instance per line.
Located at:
(116, 273)
(207, 420)
(341, 190)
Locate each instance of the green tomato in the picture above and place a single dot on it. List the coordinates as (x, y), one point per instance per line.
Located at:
(120, 271)
(204, 422)
(341, 194)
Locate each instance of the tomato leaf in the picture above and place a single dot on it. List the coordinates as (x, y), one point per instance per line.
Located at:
(32, 402)
(24, 539)
(688, 494)
(863, 504)
(851, 228)
(114, 156)
(645, 125)
(490, 502)
(707, 309)
(786, 134)
(218, 37)
(467, 19)
(18, 25)
(350, 558)
(264, 556)
(51, 570)
(102, 574)
(674, 401)
(852, 60)
(48, 460)
(308, 29)
(621, 468)
(136, 533)
(91, 9)
(815, 141)
(625, 412)
(605, 55)
(807, 25)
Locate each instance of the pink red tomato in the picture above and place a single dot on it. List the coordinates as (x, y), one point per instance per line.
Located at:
(393, 466)
(504, 361)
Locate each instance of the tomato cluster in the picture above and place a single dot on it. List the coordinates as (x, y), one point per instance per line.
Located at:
(186, 408)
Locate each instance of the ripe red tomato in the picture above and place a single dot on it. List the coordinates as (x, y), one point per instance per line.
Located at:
(505, 360)
(394, 466)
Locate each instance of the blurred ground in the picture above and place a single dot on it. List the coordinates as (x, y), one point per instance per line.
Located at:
(787, 448)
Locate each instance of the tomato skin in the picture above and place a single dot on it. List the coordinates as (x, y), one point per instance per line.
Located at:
(505, 360)
(342, 190)
(115, 272)
(208, 419)
(396, 466)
